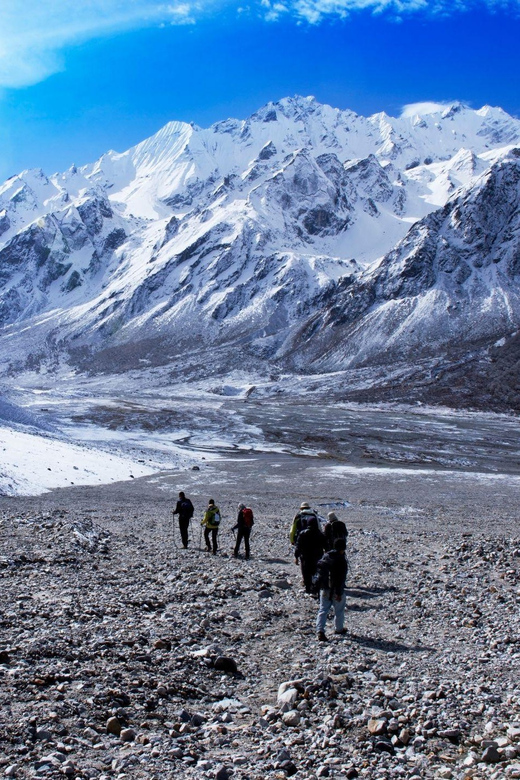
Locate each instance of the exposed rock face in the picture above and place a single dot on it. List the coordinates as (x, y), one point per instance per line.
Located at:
(450, 285)
(306, 235)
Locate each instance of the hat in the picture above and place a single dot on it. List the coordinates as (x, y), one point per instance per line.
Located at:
(305, 505)
(332, 516)
(241, 506)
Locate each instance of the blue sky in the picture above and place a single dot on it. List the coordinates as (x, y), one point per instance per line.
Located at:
(79, 78)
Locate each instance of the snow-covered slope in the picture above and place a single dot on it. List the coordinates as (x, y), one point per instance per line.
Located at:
(302, 234)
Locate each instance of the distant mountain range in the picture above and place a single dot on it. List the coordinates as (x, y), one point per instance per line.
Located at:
(305, 240)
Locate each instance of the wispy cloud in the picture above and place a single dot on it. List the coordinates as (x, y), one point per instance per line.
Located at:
(33, 34)
(315, 11)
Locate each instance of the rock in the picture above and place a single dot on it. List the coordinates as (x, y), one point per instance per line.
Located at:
(282, 584)
(162, 644)
(288, 697)
(5, 658)
(291, 718)
(222, 773)
(114, 726)
(127, 735)
(377, 726)
(453, 735)
(225, 664)
(404, 736)
(491, 755)
(44, 735)
(385, 746)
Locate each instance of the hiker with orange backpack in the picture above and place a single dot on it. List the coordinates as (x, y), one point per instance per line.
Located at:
(244, 524)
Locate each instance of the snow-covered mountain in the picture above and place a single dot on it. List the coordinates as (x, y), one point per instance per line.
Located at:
(305, 236)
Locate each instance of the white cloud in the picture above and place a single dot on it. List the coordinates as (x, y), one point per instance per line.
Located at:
(421, 109)
(315, 11)
(33, 34)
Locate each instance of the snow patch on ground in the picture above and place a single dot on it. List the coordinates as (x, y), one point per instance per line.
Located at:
(31, 464)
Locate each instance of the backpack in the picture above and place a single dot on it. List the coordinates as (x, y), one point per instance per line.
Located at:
(321, 578)
(187, 507)
(300, 523)
(336, 530)
(247, 517)
(215, 520)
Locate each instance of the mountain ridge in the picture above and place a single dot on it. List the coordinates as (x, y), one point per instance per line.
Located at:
(270, 235)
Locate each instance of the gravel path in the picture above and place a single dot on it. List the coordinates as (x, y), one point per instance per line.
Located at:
(118, 650)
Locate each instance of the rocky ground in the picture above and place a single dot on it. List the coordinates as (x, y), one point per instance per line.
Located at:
(123, 656)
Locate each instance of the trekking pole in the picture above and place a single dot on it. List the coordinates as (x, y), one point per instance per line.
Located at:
(200, 538)
(173, 531)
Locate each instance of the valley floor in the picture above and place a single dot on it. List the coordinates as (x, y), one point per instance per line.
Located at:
(103, 616)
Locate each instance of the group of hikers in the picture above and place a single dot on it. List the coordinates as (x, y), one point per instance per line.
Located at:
(321, 554)
(211, 524)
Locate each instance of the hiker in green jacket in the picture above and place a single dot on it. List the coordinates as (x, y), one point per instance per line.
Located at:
(211, 523)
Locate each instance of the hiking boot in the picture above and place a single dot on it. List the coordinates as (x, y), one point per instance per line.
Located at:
(321, 636)
(341, 631)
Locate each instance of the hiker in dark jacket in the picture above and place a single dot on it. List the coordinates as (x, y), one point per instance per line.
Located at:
(300, 521)
(184, 509)
(243, 527)
(334, 529)
(308, 551)
(332, 574)
(211, 521)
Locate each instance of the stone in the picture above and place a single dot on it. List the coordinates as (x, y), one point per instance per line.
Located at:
(491, 755)
(127, 735)
(225, 664)
(291, 718)
(288, 697)
(222, 773)
(377, 726)
(114, 726)
(385, 746)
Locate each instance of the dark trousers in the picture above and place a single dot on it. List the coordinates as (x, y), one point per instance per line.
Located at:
(309, 568)
(213, 532)
(183, 528)
(243, 533)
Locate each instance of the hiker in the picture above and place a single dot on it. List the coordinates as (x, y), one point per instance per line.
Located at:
(244, 524)
(331, 576)
(211, 521)
(300, 521)
(310, 547)
(184, 509)
(334, 529)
